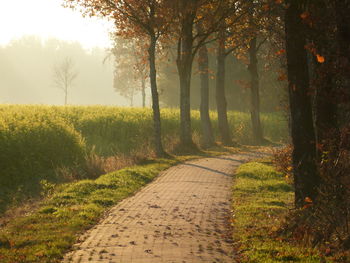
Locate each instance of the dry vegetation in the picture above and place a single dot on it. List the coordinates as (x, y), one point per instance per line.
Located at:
(61, 144)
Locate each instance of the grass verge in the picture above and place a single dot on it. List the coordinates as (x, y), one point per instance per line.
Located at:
(261, 201)
(46, 234)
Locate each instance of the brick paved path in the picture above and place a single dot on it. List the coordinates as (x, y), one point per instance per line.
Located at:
(183, 216)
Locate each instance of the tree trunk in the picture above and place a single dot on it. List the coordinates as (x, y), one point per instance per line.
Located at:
(203, 66)
(132, 98)
(343, 27)
(221, 102)
(184, 65)
(155, 98)
(65, 95)
(326, 101)
(326, 109)
(143, 90)
(306, 179)
(342, 8)
(255, 96)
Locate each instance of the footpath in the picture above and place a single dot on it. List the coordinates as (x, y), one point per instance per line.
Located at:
(181, 217)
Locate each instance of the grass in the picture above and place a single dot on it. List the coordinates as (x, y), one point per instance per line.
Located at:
(43, 147)
(261, 201)
(60, 144)
(48, 233)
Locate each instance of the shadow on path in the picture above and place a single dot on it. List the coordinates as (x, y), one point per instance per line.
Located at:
(206, 168)
(252, 154)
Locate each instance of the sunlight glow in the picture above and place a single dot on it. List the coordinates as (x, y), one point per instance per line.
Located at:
(47, 18)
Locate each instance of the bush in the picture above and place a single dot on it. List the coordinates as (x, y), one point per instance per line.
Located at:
(325, 222)
(282, 160)
(32, 145)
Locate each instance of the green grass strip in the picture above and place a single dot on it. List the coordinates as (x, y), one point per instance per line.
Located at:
(261, 200)
(48, 233)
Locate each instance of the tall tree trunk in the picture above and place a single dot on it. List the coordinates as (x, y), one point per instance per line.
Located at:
(326, 101)
(326, 108)
(155, 98)
(342, 8)
(221, 102)
(255, 96)
(184, 65)
(203, 66)
(306, 179)
(343, 27)
(143, 90)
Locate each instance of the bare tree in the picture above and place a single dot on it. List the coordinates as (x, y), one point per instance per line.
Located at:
(131, 68)
(64, 76)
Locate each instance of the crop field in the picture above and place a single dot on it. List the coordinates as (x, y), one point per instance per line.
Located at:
(38, 141)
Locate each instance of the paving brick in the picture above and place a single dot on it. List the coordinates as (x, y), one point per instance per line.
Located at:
(181, 217)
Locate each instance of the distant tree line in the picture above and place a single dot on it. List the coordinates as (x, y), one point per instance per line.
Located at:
(22, 82)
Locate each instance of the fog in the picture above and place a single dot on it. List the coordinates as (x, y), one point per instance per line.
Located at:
(27, 77)
(27, 73)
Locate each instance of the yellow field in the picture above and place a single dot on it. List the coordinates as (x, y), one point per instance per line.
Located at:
(36, 140)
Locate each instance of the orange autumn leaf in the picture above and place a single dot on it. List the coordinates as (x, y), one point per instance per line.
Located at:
(308, 200)
(320, 59)
(280, 52)
(282, 77)
(305, 15)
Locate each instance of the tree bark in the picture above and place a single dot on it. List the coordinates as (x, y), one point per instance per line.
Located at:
(184, 66)
(203, 66)
(221, 102)
(342, 8)
(255, 93)
(326, 109)
(343, 27)
(306, 179)
(143, 90)
(155, 98)
(325, 98)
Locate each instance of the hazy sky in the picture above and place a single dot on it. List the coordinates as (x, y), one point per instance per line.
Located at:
(47, 18)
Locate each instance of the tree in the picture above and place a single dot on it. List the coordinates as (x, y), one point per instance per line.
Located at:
(221, 102)
(230, 36)
(246, 39)
(342, 16)
(323, 54)
(255, 92)
(342, 9)
(261, 25)
(64, 75)
(188, 13)
(137, 19)
(131, 69)
(306, 179)
(203, 67)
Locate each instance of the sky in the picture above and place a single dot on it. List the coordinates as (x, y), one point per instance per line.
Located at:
(47, 18)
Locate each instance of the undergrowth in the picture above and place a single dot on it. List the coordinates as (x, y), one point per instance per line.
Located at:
(261, 201)
(323, 223)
